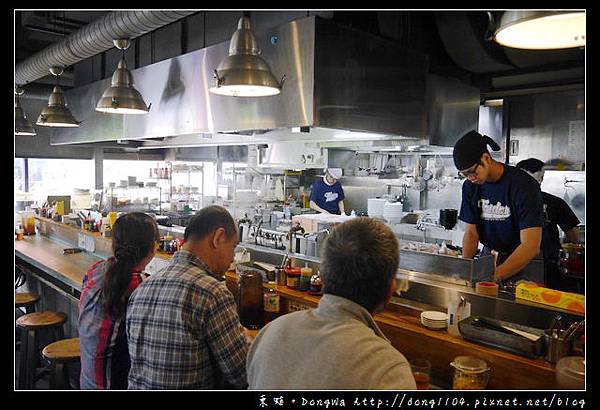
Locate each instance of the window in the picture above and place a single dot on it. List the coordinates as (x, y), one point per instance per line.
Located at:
(19, 175)
(59, 176)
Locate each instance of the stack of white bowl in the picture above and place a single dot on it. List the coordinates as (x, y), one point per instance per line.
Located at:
(375, 207)
(392, 212)
(434, 320)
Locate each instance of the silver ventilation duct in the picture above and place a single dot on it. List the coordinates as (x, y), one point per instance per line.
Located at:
(94, 39)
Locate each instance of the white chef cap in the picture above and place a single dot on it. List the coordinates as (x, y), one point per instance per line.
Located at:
(335, 172)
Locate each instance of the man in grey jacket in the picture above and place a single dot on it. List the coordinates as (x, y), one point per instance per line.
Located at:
(338, 345)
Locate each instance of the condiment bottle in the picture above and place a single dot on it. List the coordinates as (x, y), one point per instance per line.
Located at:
(271, 303)
(19, 231)
(305, 274)
(293, 277)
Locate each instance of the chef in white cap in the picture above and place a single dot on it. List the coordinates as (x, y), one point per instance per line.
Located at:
(327, 194)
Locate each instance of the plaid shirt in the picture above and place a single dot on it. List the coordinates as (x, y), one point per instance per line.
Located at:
(184, 330)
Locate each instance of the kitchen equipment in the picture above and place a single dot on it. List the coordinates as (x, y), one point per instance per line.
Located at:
(570, 373)
(492, 332)
(556, 345)
(375, 207)
(571, 262)
(392, 212)
(470, 373)
(250, 299)
(448, 218)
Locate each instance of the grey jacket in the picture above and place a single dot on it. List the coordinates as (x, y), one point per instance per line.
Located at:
(336, 346)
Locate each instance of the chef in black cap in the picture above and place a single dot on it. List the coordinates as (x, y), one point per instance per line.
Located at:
(501, 208)
(557, 213)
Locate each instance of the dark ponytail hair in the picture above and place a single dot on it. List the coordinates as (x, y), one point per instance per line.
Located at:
(134, 236)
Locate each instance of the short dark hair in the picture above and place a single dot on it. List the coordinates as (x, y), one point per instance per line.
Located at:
(207, 220)
(360, 258)
(530, 164)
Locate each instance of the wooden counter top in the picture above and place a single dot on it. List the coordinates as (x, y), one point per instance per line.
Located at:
(402, 325)
(47, 255)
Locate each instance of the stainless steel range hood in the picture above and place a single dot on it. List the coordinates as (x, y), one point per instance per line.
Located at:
(337, 78)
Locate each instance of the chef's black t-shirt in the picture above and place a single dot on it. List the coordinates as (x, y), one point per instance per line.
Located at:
(556, 213)
(501, 209)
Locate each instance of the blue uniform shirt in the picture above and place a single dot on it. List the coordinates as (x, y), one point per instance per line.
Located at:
(327, 196)
(501, 209)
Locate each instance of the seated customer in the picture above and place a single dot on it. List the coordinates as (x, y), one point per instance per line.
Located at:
(338, 345)
(183, 327)
(106, 289)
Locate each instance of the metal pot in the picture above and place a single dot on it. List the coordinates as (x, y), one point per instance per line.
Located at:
(448, 218)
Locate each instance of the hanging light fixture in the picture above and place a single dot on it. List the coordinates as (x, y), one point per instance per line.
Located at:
(121, 97)
(22, 124)
(541, 30)
(243, 73)
(56, 114)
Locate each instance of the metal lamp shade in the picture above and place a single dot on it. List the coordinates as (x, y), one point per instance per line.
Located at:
(243, 73)
(121, 97)
(541, 30)
(22, 124)
(56, 114)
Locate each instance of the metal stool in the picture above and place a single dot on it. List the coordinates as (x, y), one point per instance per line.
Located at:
(59, 354)
(28, 357)
(26, 300)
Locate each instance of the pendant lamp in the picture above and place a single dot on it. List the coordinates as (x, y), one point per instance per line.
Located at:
(121, 97)
(22, 124)
(243, 73)
(541, 30)
(56, 114)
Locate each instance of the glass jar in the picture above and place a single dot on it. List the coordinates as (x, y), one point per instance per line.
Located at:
(292, 278)
(316, 285)
(470, 373)
(570, 373)
(250, 299)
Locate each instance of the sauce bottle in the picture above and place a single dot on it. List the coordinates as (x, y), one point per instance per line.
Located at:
(271, 303)
(305, 274)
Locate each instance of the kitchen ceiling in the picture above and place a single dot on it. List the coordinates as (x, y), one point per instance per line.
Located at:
(454, 40)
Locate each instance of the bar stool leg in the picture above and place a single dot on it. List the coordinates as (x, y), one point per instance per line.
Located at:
(22, 383)
(31, 358)
(57, 376)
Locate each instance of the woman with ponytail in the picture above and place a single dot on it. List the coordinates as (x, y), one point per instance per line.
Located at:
(105, 292)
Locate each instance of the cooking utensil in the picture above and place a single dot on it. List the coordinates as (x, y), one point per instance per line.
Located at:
(481, 321)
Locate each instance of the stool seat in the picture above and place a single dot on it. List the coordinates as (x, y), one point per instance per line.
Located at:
(62, 350)
(38, 320)
(23, 299)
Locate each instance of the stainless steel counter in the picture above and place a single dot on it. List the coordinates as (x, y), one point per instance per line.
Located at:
(425, 293)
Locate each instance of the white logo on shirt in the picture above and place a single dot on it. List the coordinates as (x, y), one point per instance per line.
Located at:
(330, 196)
(490, 212)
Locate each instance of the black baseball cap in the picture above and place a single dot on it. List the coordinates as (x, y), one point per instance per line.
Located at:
(469, 148)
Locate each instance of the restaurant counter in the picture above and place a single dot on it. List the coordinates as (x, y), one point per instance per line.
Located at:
(401, 324)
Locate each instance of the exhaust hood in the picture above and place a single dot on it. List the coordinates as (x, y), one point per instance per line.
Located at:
(337, 78)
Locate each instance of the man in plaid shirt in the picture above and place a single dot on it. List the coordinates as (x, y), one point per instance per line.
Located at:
(183, 328)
